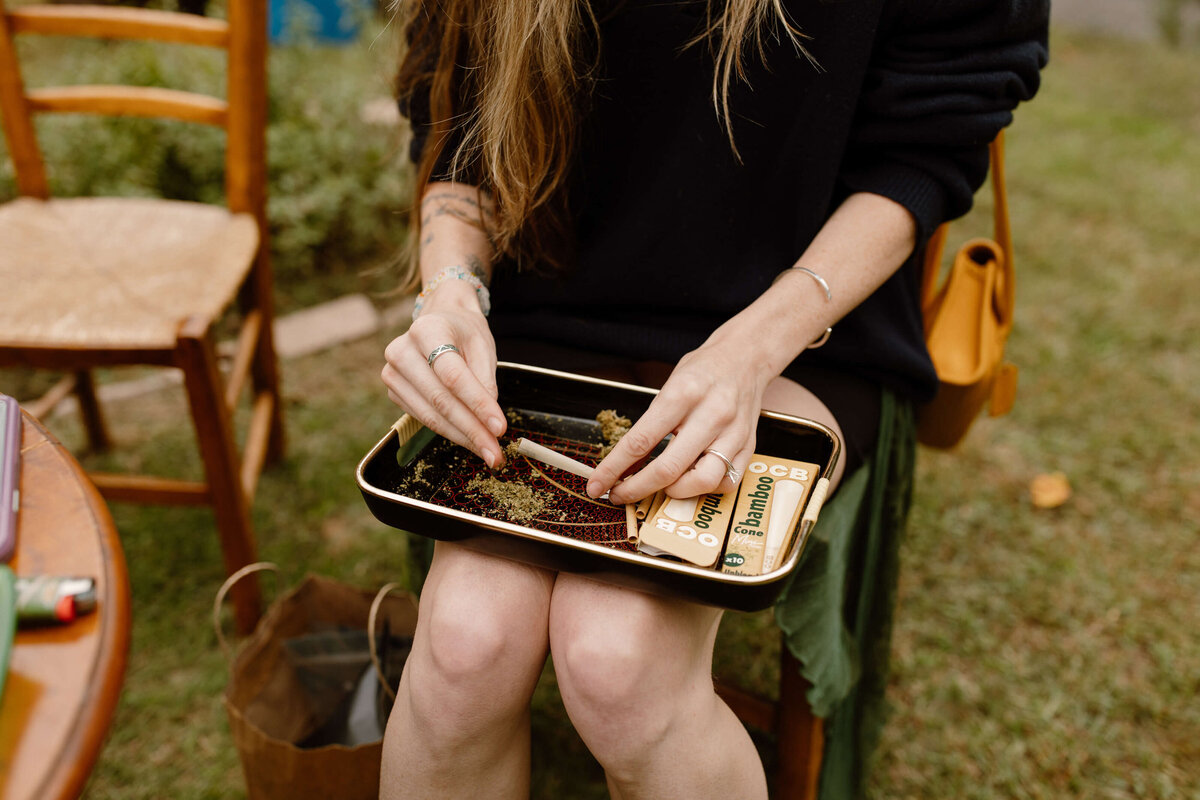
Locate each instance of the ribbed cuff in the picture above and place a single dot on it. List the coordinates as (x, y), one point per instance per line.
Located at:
(910, 186)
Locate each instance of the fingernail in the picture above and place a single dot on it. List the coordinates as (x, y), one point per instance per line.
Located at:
(491, 457)
(594, 489)
(496, 426)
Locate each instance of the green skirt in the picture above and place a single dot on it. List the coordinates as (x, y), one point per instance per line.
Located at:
(836, 612)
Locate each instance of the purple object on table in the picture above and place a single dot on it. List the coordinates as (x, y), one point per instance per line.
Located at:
(10, 470)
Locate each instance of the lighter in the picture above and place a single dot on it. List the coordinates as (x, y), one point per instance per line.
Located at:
(53, 599)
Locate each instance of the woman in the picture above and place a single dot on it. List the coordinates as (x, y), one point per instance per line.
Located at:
(686, 194)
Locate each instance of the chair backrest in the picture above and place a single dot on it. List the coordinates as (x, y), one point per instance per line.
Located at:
(241, 113)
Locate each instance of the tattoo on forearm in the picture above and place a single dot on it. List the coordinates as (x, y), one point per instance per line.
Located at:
(442, 211)
(461, 198)
(476, 266)
(476, 211)
(464, 207)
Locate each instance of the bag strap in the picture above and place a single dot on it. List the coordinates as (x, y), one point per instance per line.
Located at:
(1000, 196)
(1002, 230)
(372, 648)
(219, 599)
(260, 566)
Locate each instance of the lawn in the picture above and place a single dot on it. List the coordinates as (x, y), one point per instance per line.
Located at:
(1038, 653)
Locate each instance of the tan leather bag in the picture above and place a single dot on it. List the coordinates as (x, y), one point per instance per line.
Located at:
(968, 318)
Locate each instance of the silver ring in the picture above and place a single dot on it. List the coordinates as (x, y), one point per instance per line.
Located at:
(731, 473)
(441, 349)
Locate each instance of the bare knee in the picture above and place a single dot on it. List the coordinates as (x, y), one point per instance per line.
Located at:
(471, 649)
(478, 652)
(603, 671)
(628, 682)
(610, 704)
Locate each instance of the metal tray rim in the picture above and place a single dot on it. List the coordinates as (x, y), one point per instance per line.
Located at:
(534, 534)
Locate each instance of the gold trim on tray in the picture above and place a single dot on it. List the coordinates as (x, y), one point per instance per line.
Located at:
(408, 426)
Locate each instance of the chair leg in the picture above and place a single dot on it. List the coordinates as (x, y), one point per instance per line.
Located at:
(265, 372)
(89, 410)
(801, 735)
(215, 436)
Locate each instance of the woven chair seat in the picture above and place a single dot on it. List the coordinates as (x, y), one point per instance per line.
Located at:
(116, 272)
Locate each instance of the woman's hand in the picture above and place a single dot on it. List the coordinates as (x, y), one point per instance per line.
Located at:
(456, 396)
(712, 399)
(710, 402)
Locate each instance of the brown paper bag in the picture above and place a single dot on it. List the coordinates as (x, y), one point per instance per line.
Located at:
(270, 713)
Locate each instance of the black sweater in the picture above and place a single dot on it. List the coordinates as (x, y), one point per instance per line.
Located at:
(674, 236)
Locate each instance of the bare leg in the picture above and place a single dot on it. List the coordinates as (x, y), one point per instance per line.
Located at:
(788, 397)
(635, 674)
(461, 718)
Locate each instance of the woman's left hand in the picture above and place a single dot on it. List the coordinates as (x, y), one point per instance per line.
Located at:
(712, 399)
(711, 403)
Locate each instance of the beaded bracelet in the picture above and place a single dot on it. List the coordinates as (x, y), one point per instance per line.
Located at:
(457, 273)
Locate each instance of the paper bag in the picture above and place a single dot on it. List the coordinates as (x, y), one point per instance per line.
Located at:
(271, 709)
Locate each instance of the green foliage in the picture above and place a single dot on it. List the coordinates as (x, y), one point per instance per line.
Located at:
(338, 181)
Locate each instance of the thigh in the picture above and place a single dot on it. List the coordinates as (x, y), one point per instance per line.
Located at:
(603, 627)
(474, 572)
(788, 397)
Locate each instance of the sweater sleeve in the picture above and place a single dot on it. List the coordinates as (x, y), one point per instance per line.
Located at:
(416, 107)
(944, 79)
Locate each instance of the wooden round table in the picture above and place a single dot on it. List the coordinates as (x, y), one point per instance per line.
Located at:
(63, 681)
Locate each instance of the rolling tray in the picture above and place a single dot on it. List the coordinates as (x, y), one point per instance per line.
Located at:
(419, 482)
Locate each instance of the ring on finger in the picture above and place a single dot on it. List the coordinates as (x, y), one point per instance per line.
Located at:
(730, 471)
(440, 350)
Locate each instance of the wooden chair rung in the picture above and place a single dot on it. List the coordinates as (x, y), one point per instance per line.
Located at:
(43, 405)
(120, 23)
(257, 437)
(130, 101)
(150, 489)
(243, 357)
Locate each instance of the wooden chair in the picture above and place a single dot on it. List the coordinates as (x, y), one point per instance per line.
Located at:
(800, 736)
(100, 282)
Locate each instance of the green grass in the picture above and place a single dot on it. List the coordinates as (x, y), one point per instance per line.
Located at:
(1054, 653)
(1037, 653)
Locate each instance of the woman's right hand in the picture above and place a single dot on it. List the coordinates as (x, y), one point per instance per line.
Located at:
(456, 397)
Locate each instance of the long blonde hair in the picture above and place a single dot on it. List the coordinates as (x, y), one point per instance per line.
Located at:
(522, 71)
